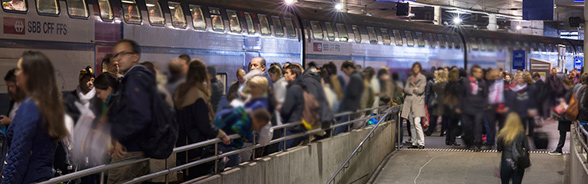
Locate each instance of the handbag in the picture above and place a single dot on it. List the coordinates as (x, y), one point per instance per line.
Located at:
(520, 154)
(572, 111)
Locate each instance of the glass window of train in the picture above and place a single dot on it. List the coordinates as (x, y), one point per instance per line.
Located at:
(48, 7)
(534, 46)
(385, 36)
(420, 39)
(290, 27)
(234, 24)
(409, 38)
(356, 34)
(433, 40)
(278, 27)
(265, 27)
(105, 10)
(330, 31)
(77, 8)
(131, 11)
(398, 38)
(342, 30)
(473, 43)
(442, 41)
(457, 42)
(155, 14)
(177, 14)
(548, 48)
(14, 5)
(490, 45)
(482, 44)
(449, 41)
(249, 23)
(317, 30)
(372, 35)
(197, 17)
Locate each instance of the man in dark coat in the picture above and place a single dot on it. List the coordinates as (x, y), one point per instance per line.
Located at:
(473, 98)
(312, 80)
(216, 88)
(291, 109)
(352, 95)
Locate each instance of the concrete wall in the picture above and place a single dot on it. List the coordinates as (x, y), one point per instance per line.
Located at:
(578, 170)
(315, 162)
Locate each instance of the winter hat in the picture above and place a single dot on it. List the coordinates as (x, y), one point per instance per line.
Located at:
(86, 72)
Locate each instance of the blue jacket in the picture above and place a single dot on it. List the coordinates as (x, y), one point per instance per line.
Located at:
(30, 158)
(131, 112)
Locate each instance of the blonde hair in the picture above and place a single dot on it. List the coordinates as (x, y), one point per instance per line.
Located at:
(512, 128)
(259, 81)
(441, 76)
(528, 78)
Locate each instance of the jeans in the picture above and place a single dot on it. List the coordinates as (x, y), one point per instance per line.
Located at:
(233, 159)
(507, 173)
(342, 129)
(451, 130)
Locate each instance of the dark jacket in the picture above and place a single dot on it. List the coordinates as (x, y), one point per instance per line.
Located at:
(507, 149)
(131, 112)
(468, 102)
(540, 90)
(70, 108)
(233, 89)
(30, 158)
(520, 101)
(195, 126)
(312, 80)
(216, 89)
(555, 86)
(437, 102)
(583, 106)
(388, 92)
(291, 111)
(429, 94)
(353, 91)
(451, 98)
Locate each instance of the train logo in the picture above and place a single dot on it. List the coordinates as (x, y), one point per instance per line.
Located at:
(14, 25)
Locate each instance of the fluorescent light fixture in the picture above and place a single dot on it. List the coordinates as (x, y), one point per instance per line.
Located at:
(128, 1)
(457, 20)
(519, 27)
(171, 7)
(150, 5)
(289, 2)
(339, 7)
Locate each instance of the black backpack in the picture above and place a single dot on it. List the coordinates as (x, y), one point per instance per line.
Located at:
(161, 135)
(520, 154)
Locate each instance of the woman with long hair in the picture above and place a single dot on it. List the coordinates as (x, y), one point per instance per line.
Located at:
(195, 116)
(450, 101)
(414, 104)
(38, 124)
(438, 109)
(16, 96)
(521, 99)
(512, 133)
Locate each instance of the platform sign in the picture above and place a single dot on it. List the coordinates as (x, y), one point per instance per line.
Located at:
(518, 59)
(578, 62)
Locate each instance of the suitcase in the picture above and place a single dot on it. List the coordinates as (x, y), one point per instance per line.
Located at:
(541, 140)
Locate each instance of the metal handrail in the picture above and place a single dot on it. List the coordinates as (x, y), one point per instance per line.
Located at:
(105, 167)
(580, 129)
(359, 146)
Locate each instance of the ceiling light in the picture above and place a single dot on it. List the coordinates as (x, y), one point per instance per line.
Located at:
(289, 2)
(519, 27)
(339, 7)
(457, 20)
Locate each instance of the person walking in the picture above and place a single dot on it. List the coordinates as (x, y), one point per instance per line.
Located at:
(512, 133)
(414, 104)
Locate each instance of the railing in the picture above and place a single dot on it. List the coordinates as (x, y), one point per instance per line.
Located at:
(578, 166)
(102, 168)
(387, 112)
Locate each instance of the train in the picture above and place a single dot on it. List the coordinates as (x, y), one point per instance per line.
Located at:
(228, 34)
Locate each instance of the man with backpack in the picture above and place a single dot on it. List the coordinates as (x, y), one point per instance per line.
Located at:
(291, 109)
(137, 115)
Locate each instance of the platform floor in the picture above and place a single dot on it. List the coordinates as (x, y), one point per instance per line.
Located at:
(459, 166)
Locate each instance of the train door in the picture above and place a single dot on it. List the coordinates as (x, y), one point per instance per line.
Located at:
(108, 31)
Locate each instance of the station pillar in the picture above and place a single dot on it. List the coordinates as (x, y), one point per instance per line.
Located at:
(492, 26)
(437, 15)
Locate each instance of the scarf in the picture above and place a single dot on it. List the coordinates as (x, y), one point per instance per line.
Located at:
(496, 93)
(473, 85)
(518, 88)
(85, 98)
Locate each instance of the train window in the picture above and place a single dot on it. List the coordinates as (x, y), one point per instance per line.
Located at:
(525, 46)
(77, 8)
(234, 22)
(155, 14)
(265, 27)
(534, 46)
(482, 44)
(548, 48)
(14, 5)
(449, 41)
(372, 35)
(216, 20)
(420, 39)
(342, 30)
(473, 43)
(409, 38)
(105, 10)
(330, 32)
(197, 17)
(290, 27)
(569, 49)
(398, 38)
(317, 30)
(457, 42)
(541, 47)
(249, 21)
(433, 40)
(442, 41)
(48, 7)
(489, 45)
(385, 36)
(131, 11)
(278, 27)
(177, 14)
(356, 34)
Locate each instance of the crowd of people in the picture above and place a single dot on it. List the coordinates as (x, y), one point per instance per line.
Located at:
(107, 118)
